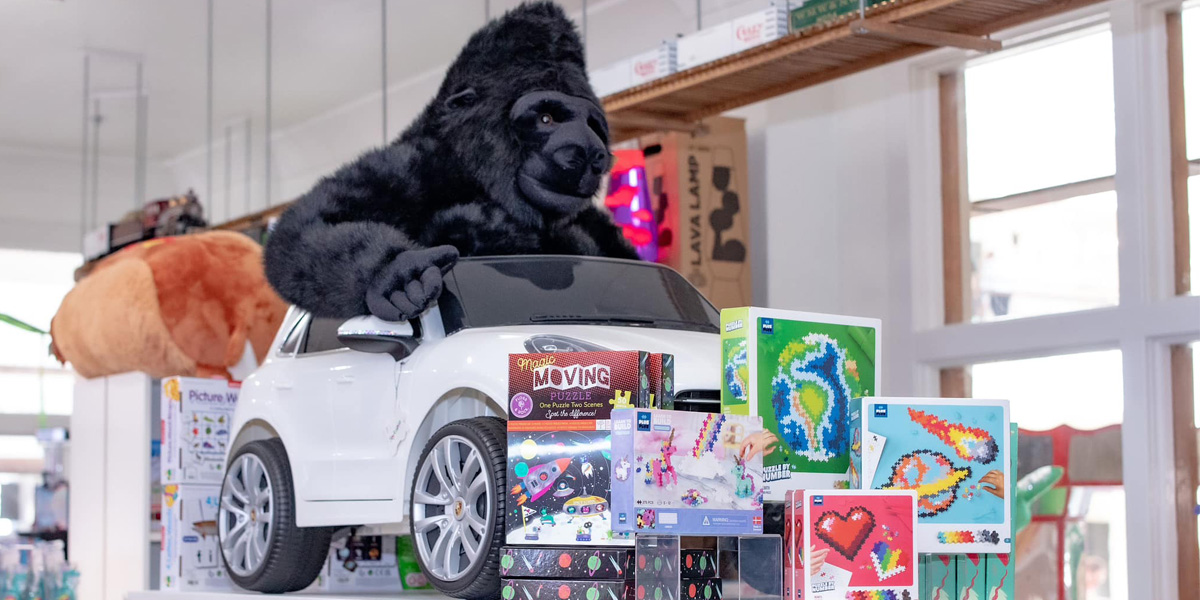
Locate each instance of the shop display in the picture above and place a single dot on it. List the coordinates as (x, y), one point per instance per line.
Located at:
(566, 589)
(955, 454)
(731, 37)
(191, 556)
(363, 563)
(36, 571)
(751, 567)
(870, 539)
(195, 428)
(799, 372)
(697, 563)
(515, 96)
(411, 577)
(636, 70)
(196, 305)
(700, 192)
(566, 563)
(942, 571)
(559, 442)
(683, 473)
(820, 12)
(660, 373)
(657, 566)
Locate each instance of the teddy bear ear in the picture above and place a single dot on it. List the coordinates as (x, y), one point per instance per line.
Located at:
(462, 99)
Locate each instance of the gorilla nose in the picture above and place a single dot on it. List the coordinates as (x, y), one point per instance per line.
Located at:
(578, 158)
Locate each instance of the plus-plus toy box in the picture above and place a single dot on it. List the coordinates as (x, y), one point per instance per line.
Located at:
(799, 371)
(865, 540)
(660, 377)
(686, 473)
(566, 563)
(195, 428)
(559, 443)
(955, 453)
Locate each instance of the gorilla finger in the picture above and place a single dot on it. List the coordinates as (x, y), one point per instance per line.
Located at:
(380, 307)
(407, 309)
(431, 280)
(443, 257)
(415, 292)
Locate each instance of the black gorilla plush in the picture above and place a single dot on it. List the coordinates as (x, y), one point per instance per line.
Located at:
(504, 160)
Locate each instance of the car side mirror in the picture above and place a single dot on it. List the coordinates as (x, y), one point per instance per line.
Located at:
(372, 334)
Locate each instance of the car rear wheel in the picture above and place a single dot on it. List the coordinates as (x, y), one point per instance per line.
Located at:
(261, 545)
(457, 510)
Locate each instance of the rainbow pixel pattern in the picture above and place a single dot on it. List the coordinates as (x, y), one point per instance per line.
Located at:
(887, 560)
(969, 443)
(879, 595)
(983, 536)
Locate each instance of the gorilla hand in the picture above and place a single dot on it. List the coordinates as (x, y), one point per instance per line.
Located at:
(410, 283)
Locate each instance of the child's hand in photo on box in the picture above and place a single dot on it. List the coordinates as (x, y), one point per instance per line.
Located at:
(763, 442)
(993, 483)
(816, 560)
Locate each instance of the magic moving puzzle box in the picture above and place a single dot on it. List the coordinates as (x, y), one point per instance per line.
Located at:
(799, 372)
(955, 453)
(684, 473)
(559, 444)
(864, 543)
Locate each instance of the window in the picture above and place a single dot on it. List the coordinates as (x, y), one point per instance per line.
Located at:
(1189, 31)
(292, 343)
(322, 335)
(1039, 150)
(34, 284)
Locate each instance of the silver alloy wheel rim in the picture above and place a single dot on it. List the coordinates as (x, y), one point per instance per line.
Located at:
(448, 527)
(247, 515)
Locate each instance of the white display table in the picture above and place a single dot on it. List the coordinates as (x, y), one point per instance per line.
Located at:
(159, 595)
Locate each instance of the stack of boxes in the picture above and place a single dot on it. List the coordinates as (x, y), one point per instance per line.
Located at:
(195, 434)
(635, 70)
(731, 37)
(567, 573)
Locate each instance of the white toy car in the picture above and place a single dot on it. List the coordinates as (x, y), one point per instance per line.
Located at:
(398, 427)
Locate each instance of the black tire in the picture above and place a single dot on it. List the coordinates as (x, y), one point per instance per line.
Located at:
(295, 555)
(489, 435)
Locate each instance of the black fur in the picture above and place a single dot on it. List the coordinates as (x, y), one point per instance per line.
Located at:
(502, 161)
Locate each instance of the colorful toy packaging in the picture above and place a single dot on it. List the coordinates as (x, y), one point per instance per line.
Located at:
(411, 577)
(559, 443)
(566, 589)
(363, 563)
(867, 542)
(566, 563)
(955, 454)
(195, 428)
(660, 377)
(685, 473)
(799, 372)
(793, 545)
(191, 555)
(657, 567)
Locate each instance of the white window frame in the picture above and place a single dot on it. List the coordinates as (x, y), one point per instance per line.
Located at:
(1149, 317)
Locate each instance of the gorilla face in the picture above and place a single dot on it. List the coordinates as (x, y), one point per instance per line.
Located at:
(564, 143)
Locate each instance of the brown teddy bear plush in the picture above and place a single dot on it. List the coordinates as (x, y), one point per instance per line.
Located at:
(196, 305)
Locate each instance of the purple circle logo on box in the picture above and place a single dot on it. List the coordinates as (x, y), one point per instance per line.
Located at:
(521, 405)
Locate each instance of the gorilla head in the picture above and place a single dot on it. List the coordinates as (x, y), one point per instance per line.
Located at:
(516, 117)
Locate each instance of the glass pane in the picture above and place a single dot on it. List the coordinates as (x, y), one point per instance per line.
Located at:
(34, 284)
(31, 392)
(1048, 258)
(1040, 118)
(1081, 390)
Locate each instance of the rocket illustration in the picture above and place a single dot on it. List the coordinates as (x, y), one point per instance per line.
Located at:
(540, 480)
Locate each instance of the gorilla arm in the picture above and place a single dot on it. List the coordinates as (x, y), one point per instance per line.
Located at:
(609, 241)
(341, 251)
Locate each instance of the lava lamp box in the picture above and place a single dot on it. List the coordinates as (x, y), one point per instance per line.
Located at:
(699, 186)
(364, 563)
(799, 372)
(682, 473)
(190, 558)
(195, 428)
(660, 373)
(559, 443)
(956, 454)
(867, 538)
(566, 589)
(566, 563)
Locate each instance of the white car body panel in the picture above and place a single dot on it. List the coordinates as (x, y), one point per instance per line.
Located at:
(355, 423)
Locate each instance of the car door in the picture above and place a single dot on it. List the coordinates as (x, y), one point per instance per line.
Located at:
(360, 388)
(299, 380)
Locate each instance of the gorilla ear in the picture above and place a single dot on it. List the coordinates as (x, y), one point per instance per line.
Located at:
(462, 99)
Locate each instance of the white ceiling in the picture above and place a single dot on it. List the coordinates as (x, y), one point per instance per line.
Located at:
(326, 53)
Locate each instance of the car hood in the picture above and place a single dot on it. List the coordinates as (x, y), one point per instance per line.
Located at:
(697, 355)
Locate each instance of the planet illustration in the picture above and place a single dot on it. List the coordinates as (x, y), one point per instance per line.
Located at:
(932, 475)
(737, 371)
(811, 398)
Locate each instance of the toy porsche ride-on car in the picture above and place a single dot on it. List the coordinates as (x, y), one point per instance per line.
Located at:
(397, 427)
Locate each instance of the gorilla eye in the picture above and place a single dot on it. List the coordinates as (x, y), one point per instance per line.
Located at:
(546, 119)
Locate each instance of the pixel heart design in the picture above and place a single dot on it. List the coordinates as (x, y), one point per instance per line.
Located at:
(845, 533)
(887, 560)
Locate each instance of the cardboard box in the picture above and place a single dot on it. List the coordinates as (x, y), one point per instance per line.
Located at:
(869, 536)
(700, 589)
(365, 563)
(559, 447)
(635, 70)
(566, 563)
(794, 583)
(660, 373)
(190, 558)
(697, 563)
(700, 186)
(195, 428)
(1001, 568)
(971, 576)
(411, 577)
(953, 451)
(799, 372)
(680, 473)
(817, 12)
(942, 571)
(566, 589)
(731, 37)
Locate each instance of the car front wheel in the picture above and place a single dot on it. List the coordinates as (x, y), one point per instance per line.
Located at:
(261, 545)
(457, 510)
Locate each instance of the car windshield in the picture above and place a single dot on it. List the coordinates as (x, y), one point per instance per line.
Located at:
(530, 290)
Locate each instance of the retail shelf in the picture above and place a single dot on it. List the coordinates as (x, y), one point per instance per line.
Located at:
(161, 595)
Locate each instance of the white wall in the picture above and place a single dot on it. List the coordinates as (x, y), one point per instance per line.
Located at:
(40, 196)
